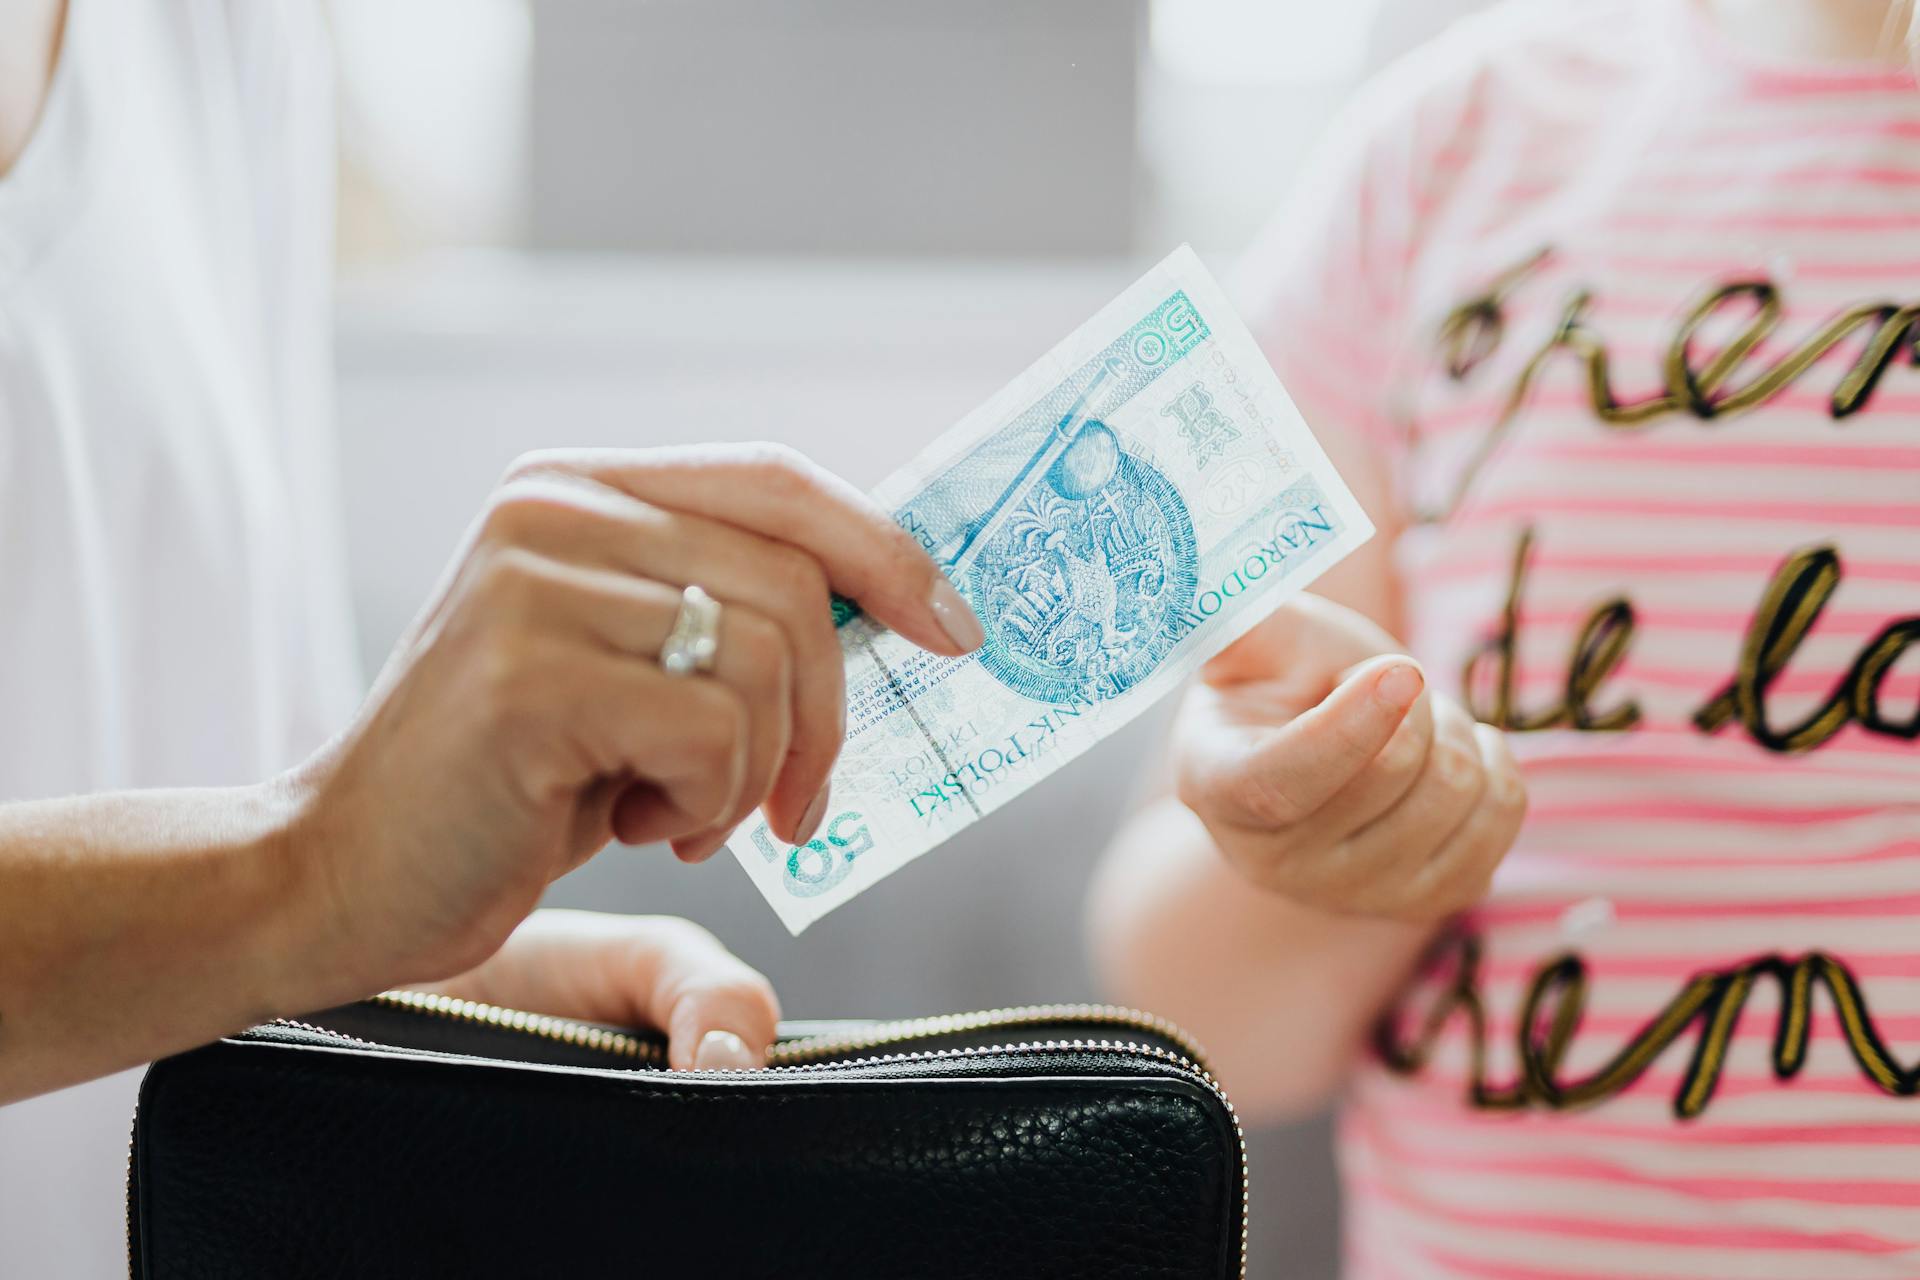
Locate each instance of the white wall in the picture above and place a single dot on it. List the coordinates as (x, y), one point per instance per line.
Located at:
(834, 126)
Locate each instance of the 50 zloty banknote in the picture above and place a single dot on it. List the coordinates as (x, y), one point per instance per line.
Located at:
(1116, 515)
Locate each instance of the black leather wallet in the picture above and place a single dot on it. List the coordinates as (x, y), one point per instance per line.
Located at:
(417, 1135)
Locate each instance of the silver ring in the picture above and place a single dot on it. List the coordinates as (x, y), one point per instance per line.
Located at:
(695, 639)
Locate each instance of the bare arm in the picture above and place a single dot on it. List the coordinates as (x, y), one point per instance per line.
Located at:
(1281, 995)
(522, 723)
(134, 925)
(140, 924)
(1321, 826)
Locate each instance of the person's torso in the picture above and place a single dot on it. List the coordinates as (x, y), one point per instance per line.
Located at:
(171, 609)
(1665, 444)
(172, 603)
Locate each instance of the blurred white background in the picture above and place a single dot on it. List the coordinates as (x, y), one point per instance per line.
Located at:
(838, 223)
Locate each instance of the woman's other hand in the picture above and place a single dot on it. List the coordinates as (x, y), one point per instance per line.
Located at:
(653, 972)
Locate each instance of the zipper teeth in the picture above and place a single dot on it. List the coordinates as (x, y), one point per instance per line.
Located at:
(583, 1035)
(133, 1127)
(329, 1032)
(813, 1048)
(794, 1052)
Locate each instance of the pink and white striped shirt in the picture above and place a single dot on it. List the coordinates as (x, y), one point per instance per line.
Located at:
(1629, 315)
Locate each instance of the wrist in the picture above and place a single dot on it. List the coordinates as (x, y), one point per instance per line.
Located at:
(242, 930)
(307, 955)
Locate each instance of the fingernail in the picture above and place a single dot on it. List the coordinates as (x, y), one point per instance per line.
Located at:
(1399, 685)
(810, 820)
(723, 1051)
(950, 609)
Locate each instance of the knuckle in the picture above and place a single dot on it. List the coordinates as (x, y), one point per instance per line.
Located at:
(519, 469)
(1508, 794)
(536, 462)
(779, 468)
(909, 554)
(802, 577)
(793, 581)
(728, 992)
(737, 984)
(1265, 798)
(1404, 753)
(679, 937)
(713, 808)
(510, 578)
(764, 650)
(653, 527)
(1456, 768)
(504, 522)
(516, 510)
(1436, 891)
(1506, 789)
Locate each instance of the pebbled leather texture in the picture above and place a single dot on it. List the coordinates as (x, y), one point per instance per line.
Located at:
(290, 1155)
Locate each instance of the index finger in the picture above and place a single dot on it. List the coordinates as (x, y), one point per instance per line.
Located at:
(777, 492)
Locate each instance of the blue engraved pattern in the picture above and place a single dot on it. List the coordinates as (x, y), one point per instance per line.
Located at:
(947, 508)
(811, 869)
(948, 505)
(1079, 589)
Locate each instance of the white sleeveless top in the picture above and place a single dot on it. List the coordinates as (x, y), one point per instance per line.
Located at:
(172, 597)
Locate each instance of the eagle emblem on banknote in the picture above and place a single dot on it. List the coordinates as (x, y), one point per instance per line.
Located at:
(1078, 588)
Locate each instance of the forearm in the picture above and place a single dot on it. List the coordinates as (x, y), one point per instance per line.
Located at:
(137, 924)
(1282, 996)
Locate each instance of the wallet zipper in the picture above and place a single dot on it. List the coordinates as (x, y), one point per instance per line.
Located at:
(581, 1035)
(879, 1035)
(820, 1054)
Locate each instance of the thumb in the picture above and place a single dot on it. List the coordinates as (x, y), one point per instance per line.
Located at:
(641, 971)
(718, 1030)
(1290, 772)
(717, 1012)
